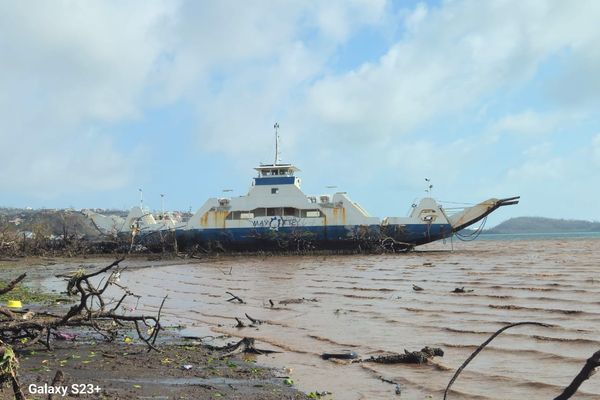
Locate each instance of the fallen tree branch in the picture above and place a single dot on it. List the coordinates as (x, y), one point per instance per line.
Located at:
(246, 345)
(240, 324)
(482, 346)
(235, 298)
(12, 284)
(59, 378)
(254, 320)
(409, 357)
(586, 372)
(461, 290)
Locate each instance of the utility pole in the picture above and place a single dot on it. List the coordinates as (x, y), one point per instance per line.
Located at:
(162, 205)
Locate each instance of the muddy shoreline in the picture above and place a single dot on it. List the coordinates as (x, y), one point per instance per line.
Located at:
(128, 371)
(124, 368)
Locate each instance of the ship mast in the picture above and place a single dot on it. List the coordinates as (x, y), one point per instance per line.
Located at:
(276, 126)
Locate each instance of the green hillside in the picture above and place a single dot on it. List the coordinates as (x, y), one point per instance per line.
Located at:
(544, 225)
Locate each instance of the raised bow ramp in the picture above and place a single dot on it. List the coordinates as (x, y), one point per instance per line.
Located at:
(474, 214)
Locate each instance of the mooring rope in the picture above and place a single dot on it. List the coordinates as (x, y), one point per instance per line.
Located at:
(474, 235)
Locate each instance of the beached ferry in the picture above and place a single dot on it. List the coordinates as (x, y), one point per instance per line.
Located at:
(276, 215)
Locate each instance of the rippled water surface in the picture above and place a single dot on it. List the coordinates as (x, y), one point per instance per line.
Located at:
(367, 304)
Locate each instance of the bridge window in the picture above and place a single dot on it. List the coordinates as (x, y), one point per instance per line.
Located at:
(259, 212)
(273, 212)
(291, 212)
(310, 214)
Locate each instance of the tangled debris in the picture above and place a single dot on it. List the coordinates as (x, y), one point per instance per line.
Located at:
(409, 357)
(296, 301)
(92, 310)
(461, 290)
(346, 355)
(246, 345)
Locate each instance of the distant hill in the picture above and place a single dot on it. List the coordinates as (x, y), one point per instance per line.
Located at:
(544, 225)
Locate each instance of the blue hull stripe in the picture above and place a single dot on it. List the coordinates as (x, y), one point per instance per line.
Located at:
(333, 237)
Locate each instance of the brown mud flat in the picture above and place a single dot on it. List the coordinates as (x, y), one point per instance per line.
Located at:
(129, 371)
(549, 281)
(125, 368)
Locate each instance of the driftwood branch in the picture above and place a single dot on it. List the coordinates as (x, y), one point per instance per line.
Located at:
(409, 357)
(59, 379)
(254, 320)
(586, 372)
(482, 346)
(240, 324)
(246, 345)
(12, 284)
(235, 298)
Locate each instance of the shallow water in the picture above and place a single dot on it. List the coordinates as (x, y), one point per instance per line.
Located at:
(366, 304)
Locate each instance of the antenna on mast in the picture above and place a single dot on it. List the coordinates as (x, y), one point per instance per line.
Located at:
(276, 126)
(428, 187)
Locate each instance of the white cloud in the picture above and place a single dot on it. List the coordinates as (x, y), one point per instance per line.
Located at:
(442, 162)
(538, 150)
(336, 19)
(414, 20)
(70, 67)
(267, 55)
(70, 62)
(451, 58)
(65, 68)
(528, 123)
(90, 164)
(538, 171)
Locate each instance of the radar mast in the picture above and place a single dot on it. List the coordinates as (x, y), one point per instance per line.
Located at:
(277, 157)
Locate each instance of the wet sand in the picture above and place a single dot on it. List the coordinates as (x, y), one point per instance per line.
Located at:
(366, 304)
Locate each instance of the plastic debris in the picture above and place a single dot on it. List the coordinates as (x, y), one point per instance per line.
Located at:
(345, 355)
(65, 336)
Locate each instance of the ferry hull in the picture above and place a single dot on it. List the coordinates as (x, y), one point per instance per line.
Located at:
(341, 237)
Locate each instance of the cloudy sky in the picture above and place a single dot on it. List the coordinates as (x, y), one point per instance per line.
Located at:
(486, 98)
